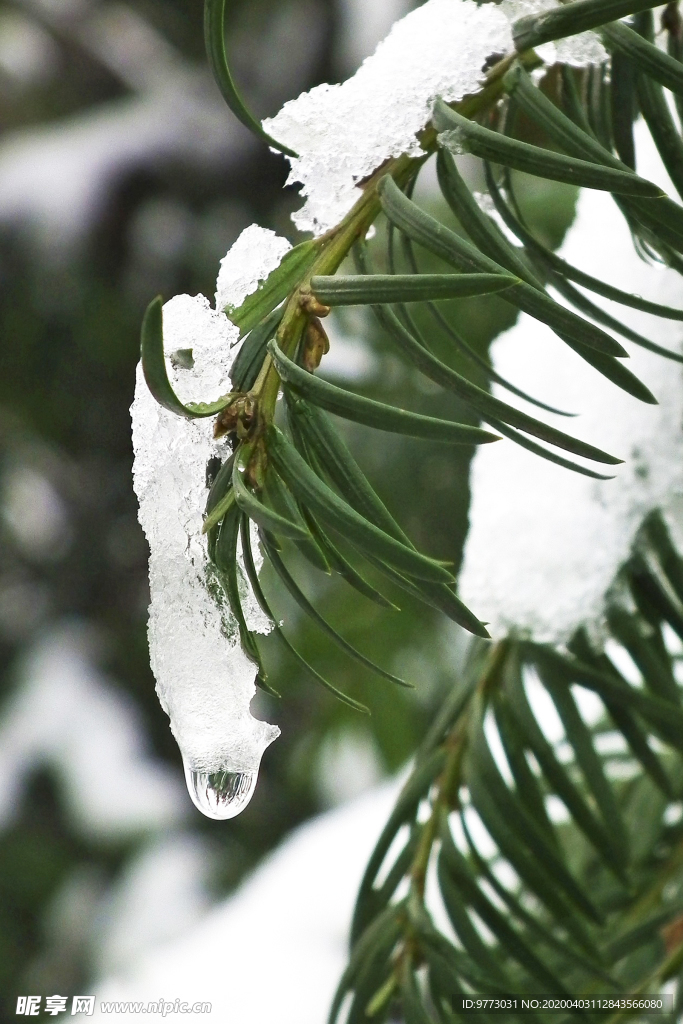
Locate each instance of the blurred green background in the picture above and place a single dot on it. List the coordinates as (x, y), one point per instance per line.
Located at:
(122, 176)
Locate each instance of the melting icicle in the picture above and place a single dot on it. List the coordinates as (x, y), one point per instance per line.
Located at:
(220, 795)
(205, 681)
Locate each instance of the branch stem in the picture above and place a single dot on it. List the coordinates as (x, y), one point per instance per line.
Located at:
(446, 794)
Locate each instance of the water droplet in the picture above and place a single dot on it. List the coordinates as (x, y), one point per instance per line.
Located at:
(220, 795)
(454, 140)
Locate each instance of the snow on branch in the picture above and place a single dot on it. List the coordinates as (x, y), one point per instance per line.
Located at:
(343, 133)
(545, 545)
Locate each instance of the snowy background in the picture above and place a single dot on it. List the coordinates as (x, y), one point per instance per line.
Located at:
(121, 176)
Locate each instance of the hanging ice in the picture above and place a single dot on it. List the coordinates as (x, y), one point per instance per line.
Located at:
(343, 133)
(545, 544)
(204, 681)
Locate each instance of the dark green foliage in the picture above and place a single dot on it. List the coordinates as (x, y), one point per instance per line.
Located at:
(561, 22)
(646, 58)
(300, 469)
(250, 357)
(278, 286)
(460, 133)
(340, 516)
(585, 908)
(381, 288)
(308, 608)
(263, 515)
(373, 414)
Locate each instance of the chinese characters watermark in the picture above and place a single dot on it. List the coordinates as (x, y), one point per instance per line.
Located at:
(29, 1006)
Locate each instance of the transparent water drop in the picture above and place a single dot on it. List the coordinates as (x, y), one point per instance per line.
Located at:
(220, 795)
(454, 140)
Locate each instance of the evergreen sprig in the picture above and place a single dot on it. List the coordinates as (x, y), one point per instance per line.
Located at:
(587, 902)
(591, 901)
(302, 487)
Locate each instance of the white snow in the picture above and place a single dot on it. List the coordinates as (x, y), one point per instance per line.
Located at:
(281, 941)
(276, 949)
(205, 681)
(66, 714)
(253, 256)
(545, 544)
(344, 132)
(161, 894)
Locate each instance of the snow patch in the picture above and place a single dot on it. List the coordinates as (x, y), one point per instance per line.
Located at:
(255, 254)
(294, 909)
(343, 133)
(545, 544)
(66, 714)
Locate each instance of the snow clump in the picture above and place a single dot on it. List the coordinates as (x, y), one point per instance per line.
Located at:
(343, 133)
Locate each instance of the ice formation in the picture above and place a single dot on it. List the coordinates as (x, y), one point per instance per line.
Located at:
(545, 544)
(344, 132)
(204, 680)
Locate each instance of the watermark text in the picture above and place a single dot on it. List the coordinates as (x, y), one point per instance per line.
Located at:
(34, 1006)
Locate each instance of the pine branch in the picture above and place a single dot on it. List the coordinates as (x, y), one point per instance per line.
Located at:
(589, 905)
(301, 486)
